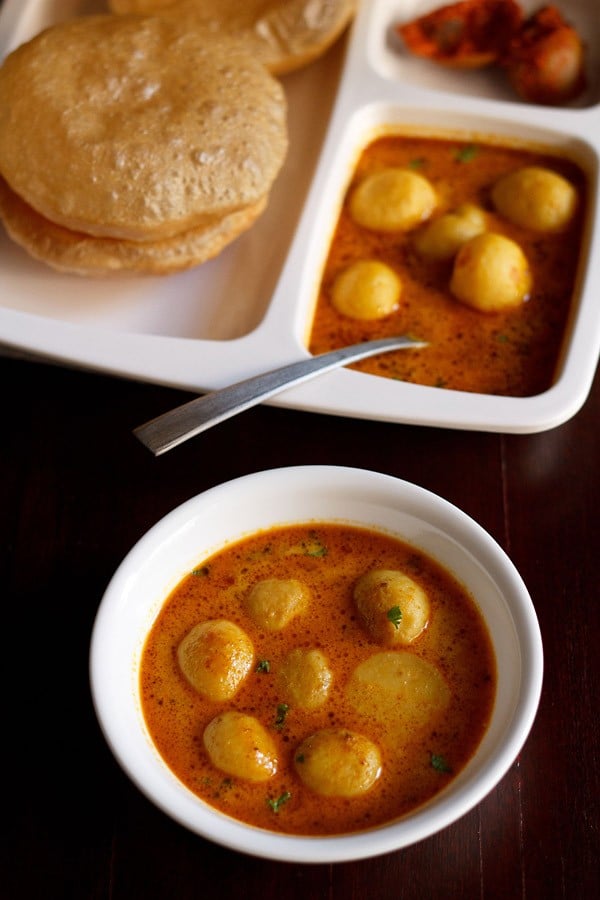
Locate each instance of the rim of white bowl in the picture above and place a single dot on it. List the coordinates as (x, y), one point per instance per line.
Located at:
(359, 496)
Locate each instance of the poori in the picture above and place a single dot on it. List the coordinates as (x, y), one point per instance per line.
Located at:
(136, 129)
(284, 34)
(86, 254)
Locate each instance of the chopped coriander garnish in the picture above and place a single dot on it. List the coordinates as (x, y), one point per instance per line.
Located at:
(203, 570)
(300, 758)
(466, 153)
(282, 711)
(225, 785)
(277, 803)
(439, 763)
(264, 666)
(316, 549)
(395, 616)
(417, 163)
(312, 547)
(503, 338)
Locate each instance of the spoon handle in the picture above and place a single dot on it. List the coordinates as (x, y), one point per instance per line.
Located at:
(172, 428)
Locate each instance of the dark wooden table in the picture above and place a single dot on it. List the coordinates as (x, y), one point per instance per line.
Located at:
(77, 490)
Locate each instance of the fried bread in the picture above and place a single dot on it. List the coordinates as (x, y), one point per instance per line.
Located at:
(138, 128)
(85, 254)
(284, 34)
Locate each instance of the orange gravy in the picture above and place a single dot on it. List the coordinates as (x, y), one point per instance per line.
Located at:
(511, 353)
(327, 558)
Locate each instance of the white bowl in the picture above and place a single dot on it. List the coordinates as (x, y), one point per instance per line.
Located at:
(204, 524)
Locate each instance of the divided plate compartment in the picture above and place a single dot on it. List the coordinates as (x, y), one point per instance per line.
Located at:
(251, 308)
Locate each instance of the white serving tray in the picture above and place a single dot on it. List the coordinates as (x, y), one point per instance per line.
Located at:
(250, 309)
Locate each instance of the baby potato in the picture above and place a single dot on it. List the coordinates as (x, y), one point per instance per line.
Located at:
(274, 602)
(305, 678)
(491, 273)
(366, 289)
(398, 689)
(215, 657)
(536, 198)
(392, 200)
(398, 683)
(441, 239)
(336, 762)
(239, 745)
(393, 607)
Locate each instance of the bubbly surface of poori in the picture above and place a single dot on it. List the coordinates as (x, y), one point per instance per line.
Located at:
(131, 126)
(284, 34)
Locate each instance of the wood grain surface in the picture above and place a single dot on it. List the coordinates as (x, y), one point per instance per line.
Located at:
(76, 492)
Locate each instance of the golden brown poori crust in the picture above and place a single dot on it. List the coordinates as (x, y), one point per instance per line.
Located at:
(284, 34)
(138, 127)
(139, 6)
(84, 254)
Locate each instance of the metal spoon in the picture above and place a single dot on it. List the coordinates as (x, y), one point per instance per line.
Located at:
(179, 424)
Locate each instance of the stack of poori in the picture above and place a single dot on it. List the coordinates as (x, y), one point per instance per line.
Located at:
(146, 143)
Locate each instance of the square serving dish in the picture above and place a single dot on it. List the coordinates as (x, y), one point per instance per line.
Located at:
(250, 309)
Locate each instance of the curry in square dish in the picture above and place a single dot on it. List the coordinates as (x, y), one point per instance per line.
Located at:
(471, 245)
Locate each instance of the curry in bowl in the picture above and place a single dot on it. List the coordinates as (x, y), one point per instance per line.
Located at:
(316, 664)
(318, 679)
(471, 245)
